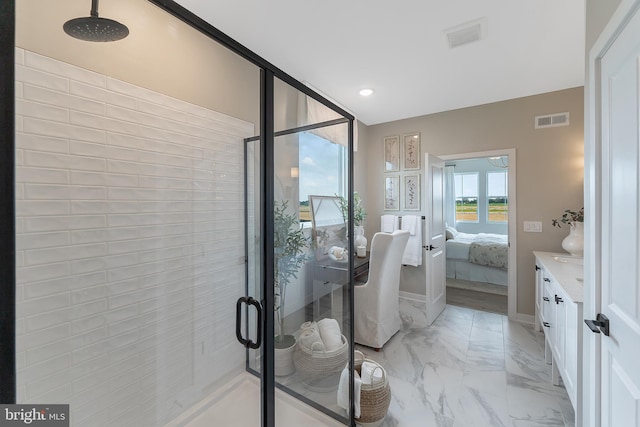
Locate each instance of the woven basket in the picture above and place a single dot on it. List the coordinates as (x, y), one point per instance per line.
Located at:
(318, 367)
(374, 398)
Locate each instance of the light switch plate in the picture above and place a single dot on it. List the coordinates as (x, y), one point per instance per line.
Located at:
(533, 226)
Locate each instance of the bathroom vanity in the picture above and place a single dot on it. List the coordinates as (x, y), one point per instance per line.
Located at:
(559, 299)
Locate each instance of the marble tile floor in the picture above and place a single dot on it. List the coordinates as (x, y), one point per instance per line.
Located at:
(469, 368)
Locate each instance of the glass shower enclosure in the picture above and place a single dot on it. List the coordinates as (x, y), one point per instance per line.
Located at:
(170, 268)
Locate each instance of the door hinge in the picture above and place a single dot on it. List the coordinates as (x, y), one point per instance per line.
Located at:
(601, 324)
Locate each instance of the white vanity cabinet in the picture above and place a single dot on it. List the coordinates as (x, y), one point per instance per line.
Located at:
(559, 293)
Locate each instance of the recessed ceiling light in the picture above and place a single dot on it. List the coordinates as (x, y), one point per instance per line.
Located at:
(366, 92)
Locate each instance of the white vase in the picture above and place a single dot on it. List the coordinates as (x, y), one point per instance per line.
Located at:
(574, 242)
(360, 240)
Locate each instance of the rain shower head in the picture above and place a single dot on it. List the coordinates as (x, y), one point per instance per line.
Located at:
(95, 29)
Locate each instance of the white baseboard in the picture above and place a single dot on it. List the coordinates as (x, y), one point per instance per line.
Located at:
(412, 296)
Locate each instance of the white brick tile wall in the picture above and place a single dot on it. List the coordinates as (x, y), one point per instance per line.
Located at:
(129, 244)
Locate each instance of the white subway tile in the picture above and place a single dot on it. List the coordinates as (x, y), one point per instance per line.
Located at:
(85, 368)
(58, 223)
(102, 95)
(60, 68)
(60, 99)
(105, 179)
(41, 111)
(51, 318)
(42, 337)
(19, 124)
(131, 194)
(163, 182)
(96, 379)
(41, 240)
(135, 91)
(90, 337)
(64, 253)
(63, 192)
(101, 122)
(41, 143)
(19, 157)
(97, 207)
(19, 90)
(49, 389)
(125, 286)
(79, 237)
(20, 259)
(33, 77)
(45, 207)
(42, 175)
(162, 111)
(121, 300)
(60, 130)
(41, 272)
(127, 115)
(64, 161)
(19, 55)
(87, 309)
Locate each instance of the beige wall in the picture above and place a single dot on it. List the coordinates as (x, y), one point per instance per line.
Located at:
(549, 164)
(161, 53)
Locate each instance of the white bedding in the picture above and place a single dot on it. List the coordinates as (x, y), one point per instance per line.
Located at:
(459, 247)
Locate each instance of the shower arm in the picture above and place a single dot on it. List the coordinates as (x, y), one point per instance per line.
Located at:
(94, 8)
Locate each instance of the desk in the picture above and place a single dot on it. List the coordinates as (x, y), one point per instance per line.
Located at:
(329, 278)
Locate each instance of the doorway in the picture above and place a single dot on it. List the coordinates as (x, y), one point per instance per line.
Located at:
(480, 210)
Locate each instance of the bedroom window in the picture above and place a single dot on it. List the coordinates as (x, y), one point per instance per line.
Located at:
(318, 174)
(466, 196)
(497, 206)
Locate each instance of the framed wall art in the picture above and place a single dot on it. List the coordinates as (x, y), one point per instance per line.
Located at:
(392, 154)
(412, 192)
(411, 159)
(392, 193)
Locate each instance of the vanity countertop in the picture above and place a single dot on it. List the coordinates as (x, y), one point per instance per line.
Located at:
(567, 270)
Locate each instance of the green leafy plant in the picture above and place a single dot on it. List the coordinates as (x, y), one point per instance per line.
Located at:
(358, 210)
(569, 217)
(289, 245)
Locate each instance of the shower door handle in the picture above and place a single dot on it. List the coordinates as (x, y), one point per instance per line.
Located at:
(247, 342)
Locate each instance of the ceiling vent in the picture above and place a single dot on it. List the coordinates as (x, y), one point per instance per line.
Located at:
(466, 33)
(552, 120)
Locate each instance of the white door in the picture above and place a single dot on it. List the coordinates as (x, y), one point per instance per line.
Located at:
(435, 237)
(619, 127)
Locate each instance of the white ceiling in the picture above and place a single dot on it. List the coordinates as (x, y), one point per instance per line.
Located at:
(399, 49)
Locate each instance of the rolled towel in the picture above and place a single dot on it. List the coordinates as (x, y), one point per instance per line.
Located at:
(343, 391)
(308, 325)
(310, 338)
(371, 372)
(330, 334)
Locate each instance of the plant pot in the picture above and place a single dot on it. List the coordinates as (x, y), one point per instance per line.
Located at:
(574, 242)
(284, 355)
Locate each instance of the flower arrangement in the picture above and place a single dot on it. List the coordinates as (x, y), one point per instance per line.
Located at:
(358, 210)
(569, 217)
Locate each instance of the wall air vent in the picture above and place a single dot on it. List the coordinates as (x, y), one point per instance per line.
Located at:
(552, 120)
(466, 33)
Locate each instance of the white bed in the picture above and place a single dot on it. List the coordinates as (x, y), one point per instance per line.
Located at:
(477, 257)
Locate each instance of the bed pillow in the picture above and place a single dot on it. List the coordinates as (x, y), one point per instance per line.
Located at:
(451, 232)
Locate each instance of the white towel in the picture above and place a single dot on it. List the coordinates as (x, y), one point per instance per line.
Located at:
(388, 223)
(310, 338)
(343, 391)
(330, 334)
(413, 251)
(309, 325)
(371, 373)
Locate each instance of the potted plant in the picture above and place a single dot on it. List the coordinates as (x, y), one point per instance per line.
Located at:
(289, 245)
(574, 242)
(358, 222)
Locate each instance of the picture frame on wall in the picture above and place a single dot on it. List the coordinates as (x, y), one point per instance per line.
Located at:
(392, 154)
(411, 159)
(392, 193)
(412, 192)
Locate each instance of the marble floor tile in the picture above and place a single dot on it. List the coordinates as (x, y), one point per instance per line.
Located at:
(469, 368)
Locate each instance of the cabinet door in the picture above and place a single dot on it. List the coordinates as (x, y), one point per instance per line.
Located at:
(570, 369)
(548, 309)
(559, 302)
(539, 316)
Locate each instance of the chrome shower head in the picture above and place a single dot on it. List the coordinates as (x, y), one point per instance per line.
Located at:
(95, 29)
